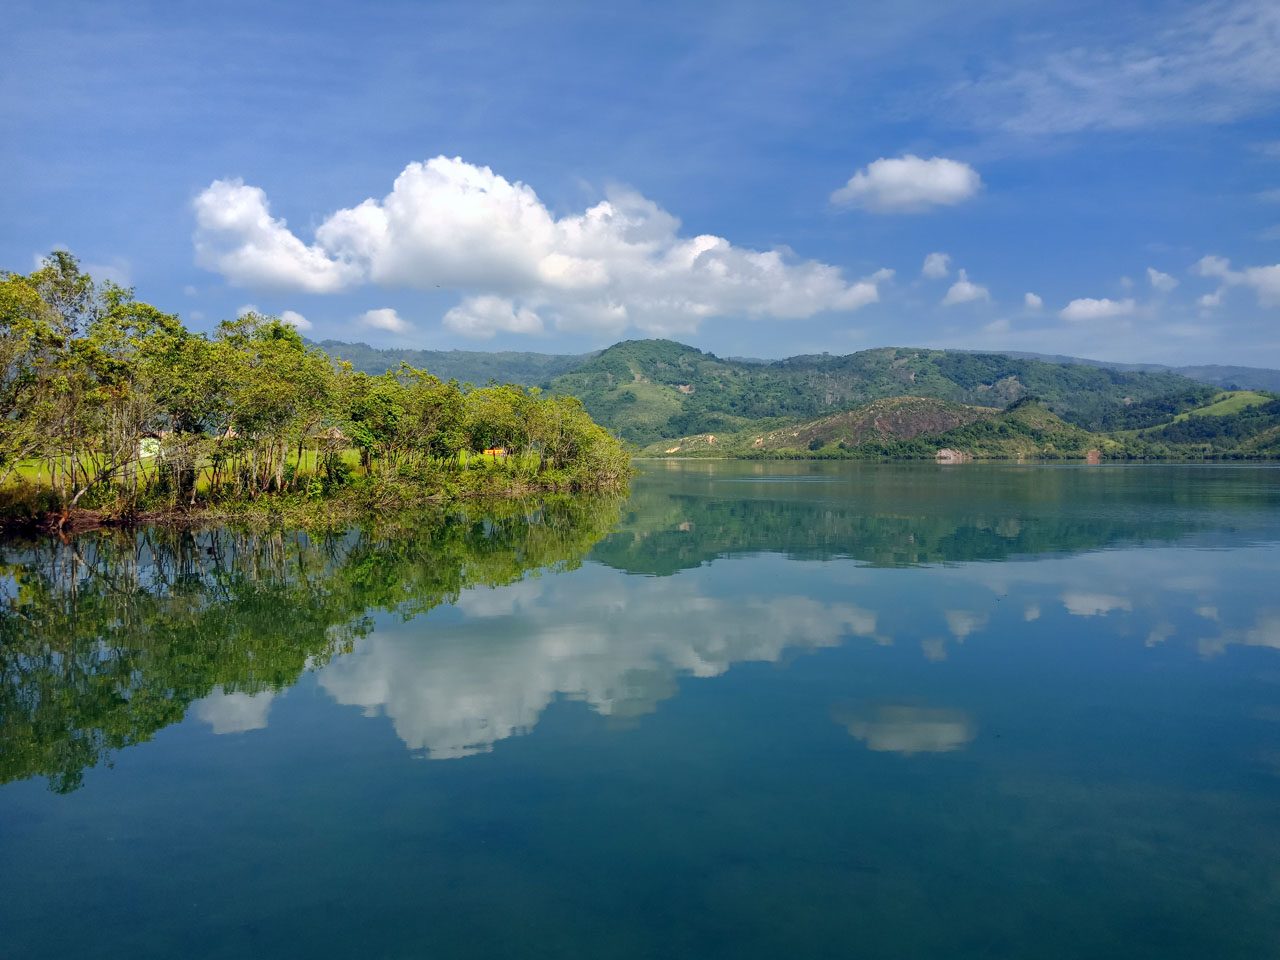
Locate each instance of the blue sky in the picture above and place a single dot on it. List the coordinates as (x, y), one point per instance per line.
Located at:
(753, 178)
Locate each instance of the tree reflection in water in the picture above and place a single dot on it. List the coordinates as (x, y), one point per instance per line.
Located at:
(109, 638)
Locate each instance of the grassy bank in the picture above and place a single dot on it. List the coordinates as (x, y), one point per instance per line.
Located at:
(313, 500)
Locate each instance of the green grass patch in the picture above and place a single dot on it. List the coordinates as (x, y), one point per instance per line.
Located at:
(1227, 403)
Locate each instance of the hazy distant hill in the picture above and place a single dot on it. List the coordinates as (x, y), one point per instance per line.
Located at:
(465, 366)
(527, 367)
(1235, 378)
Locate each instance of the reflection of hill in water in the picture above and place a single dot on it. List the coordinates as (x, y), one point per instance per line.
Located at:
(108, 639)
(683, 514)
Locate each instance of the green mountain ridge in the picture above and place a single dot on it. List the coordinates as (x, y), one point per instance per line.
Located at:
(1214, 374)
(1228, 424)
(650, 390)
(531, 368)
(670, 399)
(479, 367)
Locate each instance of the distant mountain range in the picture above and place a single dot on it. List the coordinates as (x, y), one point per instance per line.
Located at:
(1218, 375)
(535, 369)
(654, 393)
(465, 366)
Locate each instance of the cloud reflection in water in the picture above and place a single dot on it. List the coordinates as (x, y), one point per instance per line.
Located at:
(617, 647)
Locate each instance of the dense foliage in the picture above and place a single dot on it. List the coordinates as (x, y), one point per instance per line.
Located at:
(1231, 425)
(1157, 410)
(107, 401)
(1251, 428)
(907, 428)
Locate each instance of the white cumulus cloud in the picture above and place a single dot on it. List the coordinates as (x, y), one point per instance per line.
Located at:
(936, 266)
(453, 225)
(1032, 301)
(483, 316)
(295, 319)
(909, 184)
(384, 318)
(237, 237)
(1264, 281)
(964, 291)
(1087, 308)
(1160, 281)
(1211, 266)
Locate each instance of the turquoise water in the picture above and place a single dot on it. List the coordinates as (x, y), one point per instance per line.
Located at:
(758, 710)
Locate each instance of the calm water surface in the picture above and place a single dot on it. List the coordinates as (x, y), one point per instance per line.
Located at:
(759, 710)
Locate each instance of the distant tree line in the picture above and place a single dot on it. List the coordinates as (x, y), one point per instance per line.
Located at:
(109, 401)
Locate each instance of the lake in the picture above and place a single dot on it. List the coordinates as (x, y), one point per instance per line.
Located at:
(757, 710)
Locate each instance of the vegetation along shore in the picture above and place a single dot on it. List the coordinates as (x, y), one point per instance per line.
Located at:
(113, 411)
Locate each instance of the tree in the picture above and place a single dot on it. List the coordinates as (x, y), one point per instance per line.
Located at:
(24, 325)
(119, 406)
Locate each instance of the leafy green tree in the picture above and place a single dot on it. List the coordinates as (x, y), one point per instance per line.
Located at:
(25, 323)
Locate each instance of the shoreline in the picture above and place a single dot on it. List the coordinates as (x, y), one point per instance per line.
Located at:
(271, 511)
(1225, 458)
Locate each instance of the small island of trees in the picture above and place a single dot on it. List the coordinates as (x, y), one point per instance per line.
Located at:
(111, 410)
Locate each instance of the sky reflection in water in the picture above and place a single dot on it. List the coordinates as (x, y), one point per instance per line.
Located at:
(907, 711)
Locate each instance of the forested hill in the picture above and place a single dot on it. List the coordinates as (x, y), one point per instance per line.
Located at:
(1231, 424)
(651, 390)
(466, 366)
(1214, 374)
(648, 390)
